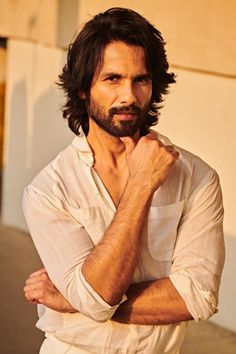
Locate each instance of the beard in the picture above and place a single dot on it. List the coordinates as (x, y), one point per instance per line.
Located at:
(110, 121)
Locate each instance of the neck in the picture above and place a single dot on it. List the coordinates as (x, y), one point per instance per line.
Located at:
(107, 149)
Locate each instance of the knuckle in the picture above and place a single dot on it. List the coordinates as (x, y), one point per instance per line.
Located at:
(143, 139)
(41, 294)
(44, 276)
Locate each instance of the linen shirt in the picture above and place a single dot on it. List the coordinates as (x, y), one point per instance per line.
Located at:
(68, 209)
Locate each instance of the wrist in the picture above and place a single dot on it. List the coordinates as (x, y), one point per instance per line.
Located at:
(142, 185)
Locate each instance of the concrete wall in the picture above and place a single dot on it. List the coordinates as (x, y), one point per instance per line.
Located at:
(68, 18)
(34, 129)
(34, 20)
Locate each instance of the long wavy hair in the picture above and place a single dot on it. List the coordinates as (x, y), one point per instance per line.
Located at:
(85, 57)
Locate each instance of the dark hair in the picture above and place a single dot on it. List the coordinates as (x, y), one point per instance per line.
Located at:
(86, 53)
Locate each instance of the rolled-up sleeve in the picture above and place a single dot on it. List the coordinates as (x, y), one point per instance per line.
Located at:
(199, 253)
(63, 245)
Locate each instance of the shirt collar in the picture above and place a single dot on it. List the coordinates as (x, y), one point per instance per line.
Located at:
(85, 153)
(83, 149)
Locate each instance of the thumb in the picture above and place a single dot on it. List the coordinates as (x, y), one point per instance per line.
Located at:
(129, 144)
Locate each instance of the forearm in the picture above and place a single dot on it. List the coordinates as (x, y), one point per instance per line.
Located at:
(152, 303)
(114, 259)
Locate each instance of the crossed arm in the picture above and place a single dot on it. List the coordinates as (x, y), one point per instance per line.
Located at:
(148, 303)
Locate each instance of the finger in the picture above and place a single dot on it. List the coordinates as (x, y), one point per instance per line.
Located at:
(35, 286)
(37, 272)
(129, 144)
(170, 148)
(34, 302)
(33, 296)
(38, 278)
(152, 136)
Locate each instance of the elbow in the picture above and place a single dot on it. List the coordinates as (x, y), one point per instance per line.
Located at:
(201, 301)
(85, 300)
(95, 312)
(101, 316)
(205, 306)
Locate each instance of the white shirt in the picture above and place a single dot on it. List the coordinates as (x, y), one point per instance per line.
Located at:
(68, 209)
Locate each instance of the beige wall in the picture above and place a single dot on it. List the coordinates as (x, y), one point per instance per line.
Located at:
(67, 21)
(34, 20)
(34, 129)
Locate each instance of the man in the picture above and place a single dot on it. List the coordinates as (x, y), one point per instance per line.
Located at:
(128, 227)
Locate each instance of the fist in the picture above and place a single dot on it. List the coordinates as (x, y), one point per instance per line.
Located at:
(39, 289)
(149, 161)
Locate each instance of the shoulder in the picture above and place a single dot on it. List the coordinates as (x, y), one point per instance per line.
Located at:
(191, 170)
(51, 182)
(188, 160)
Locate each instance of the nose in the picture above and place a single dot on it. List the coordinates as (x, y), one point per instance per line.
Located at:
(127, 95)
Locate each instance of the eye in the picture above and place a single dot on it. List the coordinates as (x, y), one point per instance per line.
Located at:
(143, 79)
(113, 78)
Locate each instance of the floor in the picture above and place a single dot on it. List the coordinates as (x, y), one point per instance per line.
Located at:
(18, 334)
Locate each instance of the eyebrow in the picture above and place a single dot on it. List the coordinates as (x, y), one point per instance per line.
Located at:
(113, 73)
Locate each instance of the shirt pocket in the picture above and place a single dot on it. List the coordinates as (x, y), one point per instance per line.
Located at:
(162, 230)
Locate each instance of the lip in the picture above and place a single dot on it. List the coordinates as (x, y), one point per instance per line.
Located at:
(126, 116)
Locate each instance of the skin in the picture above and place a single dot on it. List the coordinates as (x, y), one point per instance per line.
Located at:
(132, 169)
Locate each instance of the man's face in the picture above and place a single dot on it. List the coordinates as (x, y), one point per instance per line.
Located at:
(121, 91)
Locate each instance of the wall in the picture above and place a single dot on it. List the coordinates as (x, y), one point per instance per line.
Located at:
(33, 20)
(67, 21)
(34, 129)
(3, 60)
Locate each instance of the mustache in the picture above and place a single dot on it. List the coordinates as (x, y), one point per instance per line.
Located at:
(131, 109)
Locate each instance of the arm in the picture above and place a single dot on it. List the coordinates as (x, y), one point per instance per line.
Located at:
(152, 303)
(149, 163)
(198, 257)
(116, 255)
(39, 289)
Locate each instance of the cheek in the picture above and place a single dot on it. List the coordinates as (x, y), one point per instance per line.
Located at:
(145, 95)
(104, 95)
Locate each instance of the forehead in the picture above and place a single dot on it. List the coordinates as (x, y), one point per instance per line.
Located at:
(122, 57)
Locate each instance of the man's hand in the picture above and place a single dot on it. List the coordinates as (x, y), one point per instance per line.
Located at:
(149, 161)
(39, 289)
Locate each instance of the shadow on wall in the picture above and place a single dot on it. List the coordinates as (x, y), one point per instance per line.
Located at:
(16, 148)
(49, 130)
